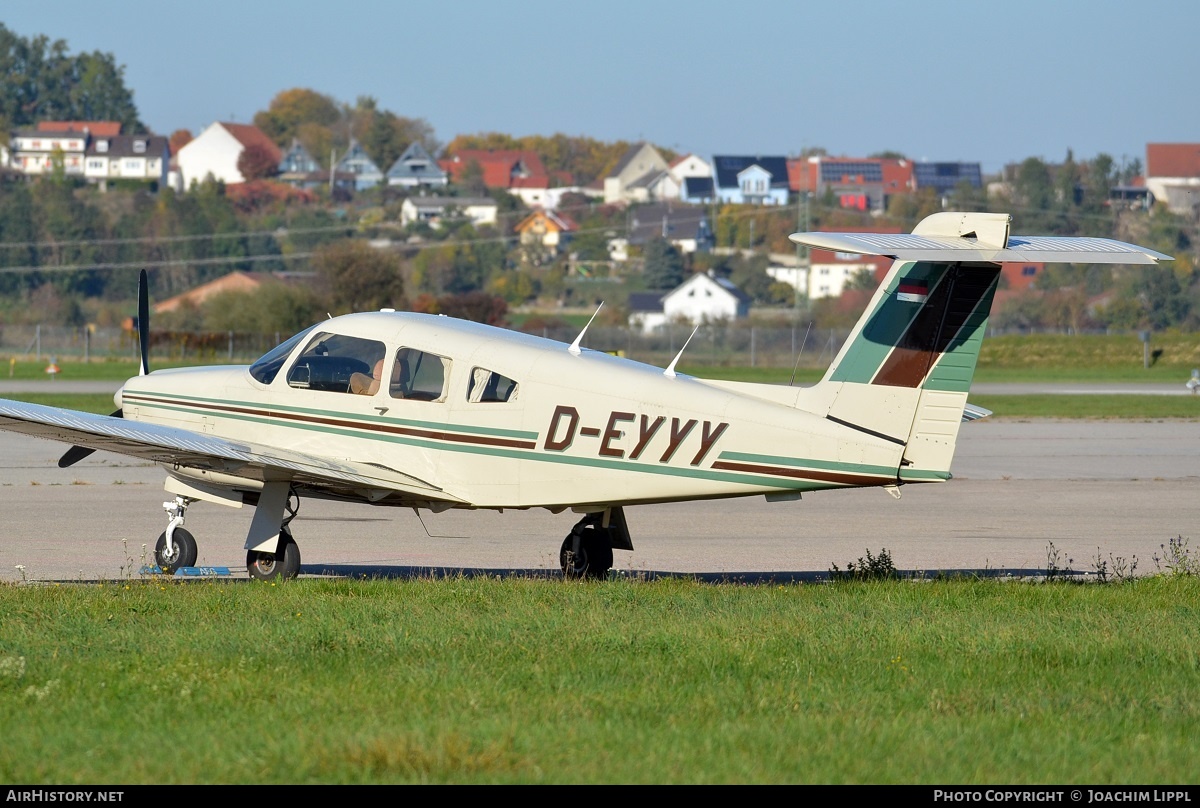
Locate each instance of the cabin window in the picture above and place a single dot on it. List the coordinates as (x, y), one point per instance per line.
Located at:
(337, 363)
(489, 386)
(419, 376)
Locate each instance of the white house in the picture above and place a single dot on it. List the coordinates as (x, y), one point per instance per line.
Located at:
(434, 210)
(702, 298)
(127, 157)
(216, 150)
(629, 181)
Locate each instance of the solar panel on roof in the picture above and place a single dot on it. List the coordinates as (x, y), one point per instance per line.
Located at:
(834, 172)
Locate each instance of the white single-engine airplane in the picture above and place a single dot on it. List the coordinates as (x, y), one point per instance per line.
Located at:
(424, 411)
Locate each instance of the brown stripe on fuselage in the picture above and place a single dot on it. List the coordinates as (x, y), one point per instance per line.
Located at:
(342, 422)
(935, 327)
(841, 478)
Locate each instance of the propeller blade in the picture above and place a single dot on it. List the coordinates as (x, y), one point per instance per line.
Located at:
(77, 453)
(144, 322)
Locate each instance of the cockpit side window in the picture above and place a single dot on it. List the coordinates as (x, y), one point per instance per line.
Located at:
(419, 375)
(489, 386)
(337, 363)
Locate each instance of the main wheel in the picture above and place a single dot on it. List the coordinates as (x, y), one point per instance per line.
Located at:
(184, 554)
(593, 559)
(283, 564)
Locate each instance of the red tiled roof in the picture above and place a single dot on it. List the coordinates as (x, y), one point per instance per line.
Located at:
(97, 128)
(552, 219)
(498, 166)
(1173, 159)
(249, 135)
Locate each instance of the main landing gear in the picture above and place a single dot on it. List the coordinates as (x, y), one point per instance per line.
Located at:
(587, 551)
(284, 563)
(176, 547)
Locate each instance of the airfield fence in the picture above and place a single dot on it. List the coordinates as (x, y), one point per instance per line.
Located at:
(718, 345)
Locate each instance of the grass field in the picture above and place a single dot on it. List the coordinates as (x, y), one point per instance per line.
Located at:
(517, 681)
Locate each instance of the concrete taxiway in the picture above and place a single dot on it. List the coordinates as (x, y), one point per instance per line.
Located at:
(1077, 495)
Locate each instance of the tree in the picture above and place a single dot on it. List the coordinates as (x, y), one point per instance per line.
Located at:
(179, 138)
(291, 109)
(357, 277)
(42, 81)
(663, 267)
(256, 162)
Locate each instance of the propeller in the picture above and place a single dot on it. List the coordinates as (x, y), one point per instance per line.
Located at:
(77, 453)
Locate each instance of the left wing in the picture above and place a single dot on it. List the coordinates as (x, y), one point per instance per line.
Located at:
(171, 445)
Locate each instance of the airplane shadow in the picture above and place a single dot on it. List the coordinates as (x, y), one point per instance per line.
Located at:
(368, 572)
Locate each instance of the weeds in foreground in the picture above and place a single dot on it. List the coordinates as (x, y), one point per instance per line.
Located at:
(1054, 572)
(872, 568)
(1176, 558)
(1116, 568)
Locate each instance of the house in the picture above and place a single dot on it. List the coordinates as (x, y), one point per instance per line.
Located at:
(298, 167)
(702, 298)
(1019, 275)
(828, 273)
(1173, 175)
(632, 176)
(684, 226)
(697, 191)
(215, 153)
(521, 173)
(144, 158)
(35, 151)
(416, 169)
(547, 228)
(742, 180)
(945, 177)
(862, 184)
(233, 282)
(437, 210)
(357, 163)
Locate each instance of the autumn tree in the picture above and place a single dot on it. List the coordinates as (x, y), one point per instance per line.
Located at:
(291, 109)
(179, 138)
(256, 162)
(357, 277)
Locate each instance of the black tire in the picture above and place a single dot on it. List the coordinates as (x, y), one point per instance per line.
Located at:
(185, 551)
(595, 556)
(281, 565)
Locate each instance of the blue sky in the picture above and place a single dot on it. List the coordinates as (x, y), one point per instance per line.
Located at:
(991, 82)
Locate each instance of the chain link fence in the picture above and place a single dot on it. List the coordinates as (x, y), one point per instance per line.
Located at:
(710, 346)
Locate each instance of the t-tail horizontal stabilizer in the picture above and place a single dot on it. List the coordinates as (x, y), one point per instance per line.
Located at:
(980, 237)
(905, 370)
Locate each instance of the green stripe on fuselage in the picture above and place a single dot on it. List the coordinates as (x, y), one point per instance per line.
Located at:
(765, 482)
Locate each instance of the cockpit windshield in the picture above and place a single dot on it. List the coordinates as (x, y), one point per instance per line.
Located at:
(266, 368)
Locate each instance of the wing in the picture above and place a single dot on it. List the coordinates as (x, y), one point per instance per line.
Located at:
(170, 445)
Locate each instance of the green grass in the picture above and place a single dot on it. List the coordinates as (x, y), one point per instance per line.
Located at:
(522, 681)
(100, 403)
(1117, 407)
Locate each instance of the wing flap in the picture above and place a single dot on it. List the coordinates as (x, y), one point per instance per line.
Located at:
(174, 446)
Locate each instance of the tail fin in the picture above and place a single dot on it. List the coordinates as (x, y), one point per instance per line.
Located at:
(904, 373)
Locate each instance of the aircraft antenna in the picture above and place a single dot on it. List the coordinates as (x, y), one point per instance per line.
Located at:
(430, 535)
(574, 349)
(800, 353)
(670, 371)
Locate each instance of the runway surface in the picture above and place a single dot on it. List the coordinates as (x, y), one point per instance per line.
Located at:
(1026, 496)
